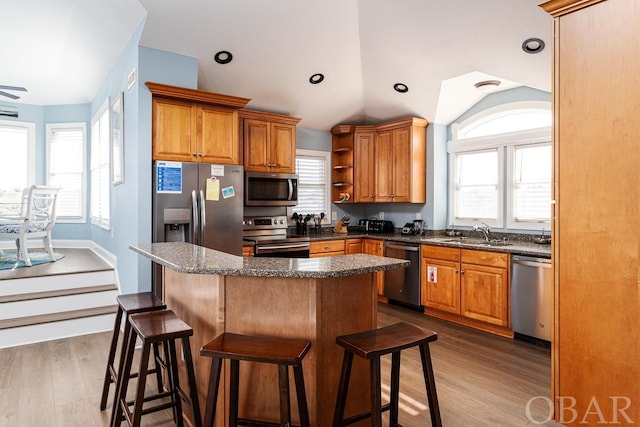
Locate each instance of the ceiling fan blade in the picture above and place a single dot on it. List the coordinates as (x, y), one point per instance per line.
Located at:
(8, 95)
(20, 88)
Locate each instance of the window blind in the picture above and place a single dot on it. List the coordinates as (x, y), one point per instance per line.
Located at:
(313, 195)
(100, 168)
(66, 169)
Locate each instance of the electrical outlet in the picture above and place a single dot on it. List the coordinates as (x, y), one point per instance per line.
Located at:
(381, 216)
(334, 216)
(418, 215)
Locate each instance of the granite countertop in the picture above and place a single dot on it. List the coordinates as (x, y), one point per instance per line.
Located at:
(193, 259)
(516, 244)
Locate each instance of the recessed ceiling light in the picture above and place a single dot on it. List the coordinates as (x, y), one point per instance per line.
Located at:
(223, 57)
(316, 78)
(487, 86)
(533, 45)
(401, 88)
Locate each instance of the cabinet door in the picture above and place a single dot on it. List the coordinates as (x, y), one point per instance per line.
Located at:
(484, 294)
(384, 167)
(376, 247)
(325, 248)
(256, 135)
(353, 246)
(441, 285)
(364, 167)
(282, 148)
(401, 180)
(217, 130)
(173, 130)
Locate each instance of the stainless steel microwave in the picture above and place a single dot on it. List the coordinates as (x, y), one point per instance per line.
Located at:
(270, 189)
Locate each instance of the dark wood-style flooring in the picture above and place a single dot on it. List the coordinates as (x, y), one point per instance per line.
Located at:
(482, 380)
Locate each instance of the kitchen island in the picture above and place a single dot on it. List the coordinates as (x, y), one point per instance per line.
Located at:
(315, 299)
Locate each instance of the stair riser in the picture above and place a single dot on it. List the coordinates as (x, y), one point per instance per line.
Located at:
(49, 283)
(19, 309)
(55, 330)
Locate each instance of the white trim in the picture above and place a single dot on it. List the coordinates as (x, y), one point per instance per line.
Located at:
(521, 225)
(501, 140)
(493, 222)
(327, 162)
(497, 111)
(83, 196)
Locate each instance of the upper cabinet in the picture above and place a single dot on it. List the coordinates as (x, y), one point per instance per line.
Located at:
(269, 141)
(384, 163)
(194, 126)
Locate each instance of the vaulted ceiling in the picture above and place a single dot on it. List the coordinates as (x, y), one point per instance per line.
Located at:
(62, 51)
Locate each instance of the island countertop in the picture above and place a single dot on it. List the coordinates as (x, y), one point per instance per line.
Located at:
(192, 259)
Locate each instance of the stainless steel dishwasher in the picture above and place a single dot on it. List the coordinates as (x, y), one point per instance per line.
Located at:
(403, 285)
(531, 290)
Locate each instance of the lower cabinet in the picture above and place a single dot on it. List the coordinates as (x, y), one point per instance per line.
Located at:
(353, 246)
(324, 248)
(376, 247)
(467, 286)
(247, 251)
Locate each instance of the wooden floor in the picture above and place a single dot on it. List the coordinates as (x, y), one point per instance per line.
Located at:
(76, 260)
(481, 379)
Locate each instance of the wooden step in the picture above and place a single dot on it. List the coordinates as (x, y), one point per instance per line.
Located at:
(56, 317)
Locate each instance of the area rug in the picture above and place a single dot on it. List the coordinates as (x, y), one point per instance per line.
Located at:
(9, 260)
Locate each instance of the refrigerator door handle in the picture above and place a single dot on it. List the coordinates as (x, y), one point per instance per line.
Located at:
(194, 218)
(203, 216)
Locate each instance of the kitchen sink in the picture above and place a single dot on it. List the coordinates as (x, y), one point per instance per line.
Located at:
(476, 242)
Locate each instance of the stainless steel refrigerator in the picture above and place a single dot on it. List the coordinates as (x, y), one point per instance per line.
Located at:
(199, 203)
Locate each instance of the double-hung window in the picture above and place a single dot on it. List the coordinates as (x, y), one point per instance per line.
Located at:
(477, 187)
(313, 169)
(530, 185)
(66, 144)
(100, 182)
(17, 164)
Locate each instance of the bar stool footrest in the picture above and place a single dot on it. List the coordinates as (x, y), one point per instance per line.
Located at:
(363, 415)
(255, 423)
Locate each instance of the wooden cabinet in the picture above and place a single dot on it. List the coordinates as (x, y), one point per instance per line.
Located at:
(353, 246)
(596, 226)
(364, 190)
(194, 126)
(467, 286)
(269, 142)
(247, 251)
(323, 248)
(388, 161)
(376, 247)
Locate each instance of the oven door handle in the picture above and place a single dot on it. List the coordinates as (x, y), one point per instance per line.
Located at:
(283, 247)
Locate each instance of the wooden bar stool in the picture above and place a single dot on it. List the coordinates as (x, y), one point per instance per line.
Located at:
(373, 344)
(279, 351)
(157, 327)
(129, 304)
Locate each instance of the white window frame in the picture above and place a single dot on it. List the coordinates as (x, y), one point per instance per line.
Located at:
(501, 142)
(326, 155)
(101, 219)
(511, 222)
(31, 147)
(496, 112)
(493, 222)
(50, 127)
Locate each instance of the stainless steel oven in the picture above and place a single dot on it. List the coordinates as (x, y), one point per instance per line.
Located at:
(269, 235)
(270, 189)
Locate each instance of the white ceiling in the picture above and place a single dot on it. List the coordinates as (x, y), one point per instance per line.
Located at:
(62, 51)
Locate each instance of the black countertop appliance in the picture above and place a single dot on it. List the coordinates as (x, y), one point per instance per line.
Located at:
(377, 226)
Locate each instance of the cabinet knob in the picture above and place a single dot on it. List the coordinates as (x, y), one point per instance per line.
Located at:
(461, 271)
(456, 271)
(194, 154)
(199, 154)
(372, 196)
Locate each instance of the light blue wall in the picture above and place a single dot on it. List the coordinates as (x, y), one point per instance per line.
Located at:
(159, 67)
(40, 116)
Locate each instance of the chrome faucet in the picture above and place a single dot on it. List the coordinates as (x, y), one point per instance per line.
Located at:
(484, 228)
